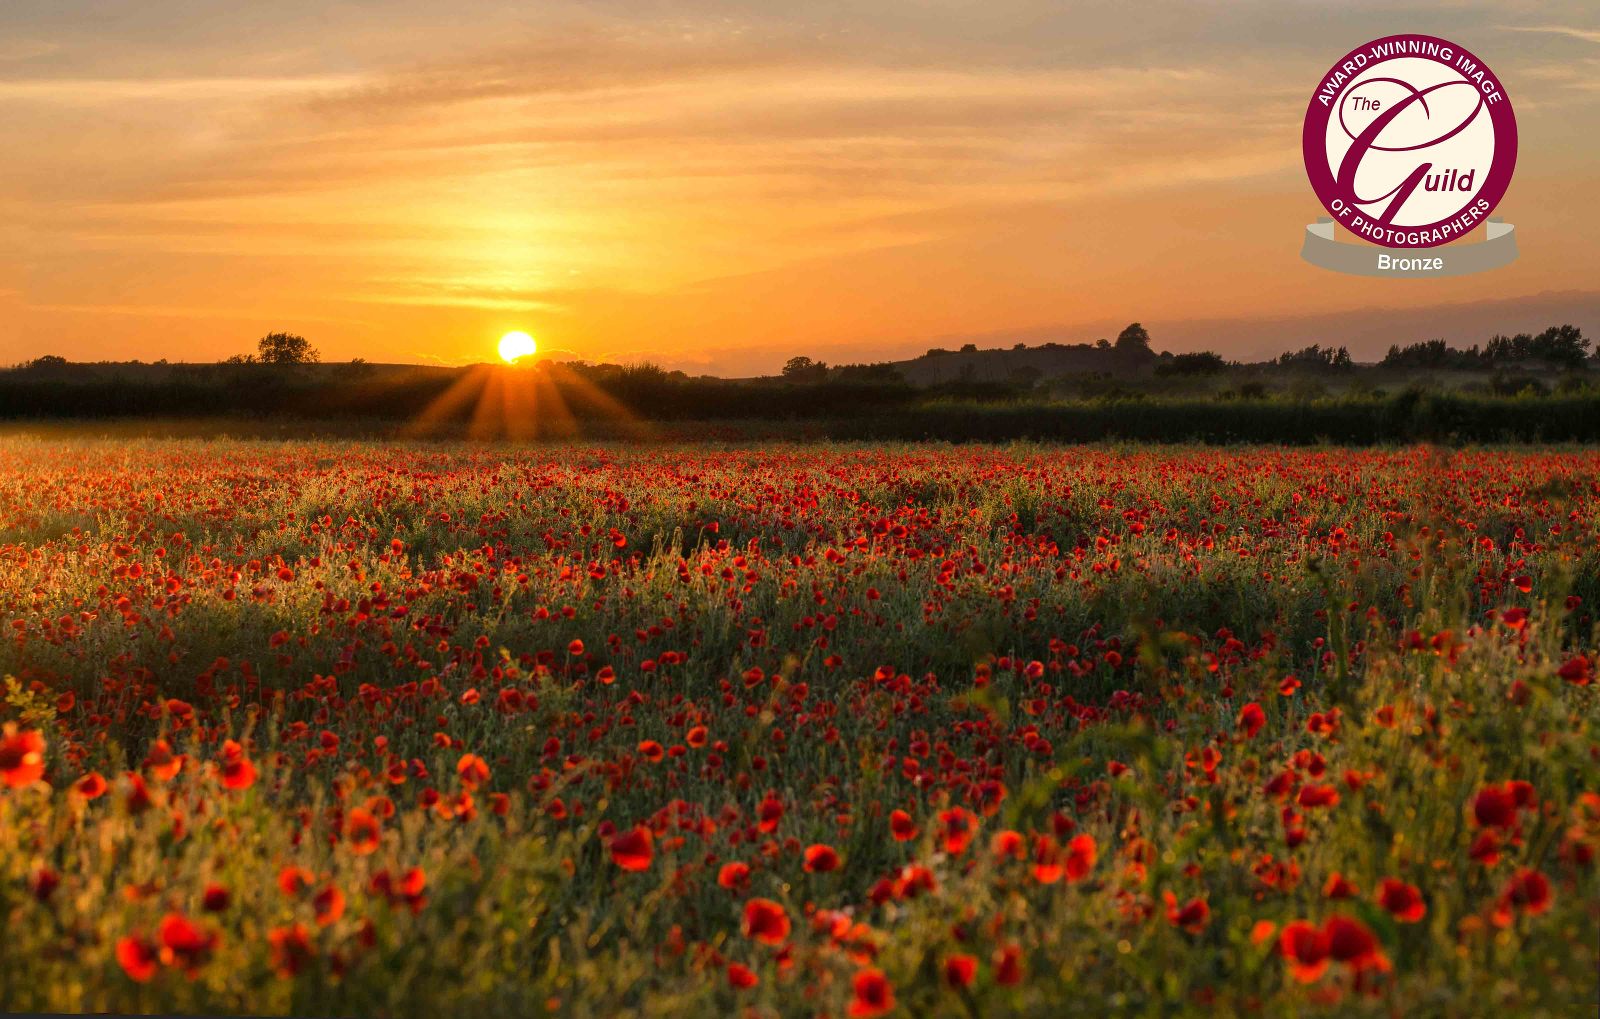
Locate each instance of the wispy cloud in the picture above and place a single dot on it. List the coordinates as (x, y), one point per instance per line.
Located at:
(1584, 34)
(202, 313)
(189, 90)
(18, 50)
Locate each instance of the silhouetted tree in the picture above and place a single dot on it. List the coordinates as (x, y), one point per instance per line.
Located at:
(1316, 356)
(803, 369)
(1133, 339)
(286, 348)
(1203, 362)
(1432, 354)
(1564, 346)
(882, 373)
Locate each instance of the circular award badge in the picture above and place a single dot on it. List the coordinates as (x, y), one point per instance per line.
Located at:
(1410, 142)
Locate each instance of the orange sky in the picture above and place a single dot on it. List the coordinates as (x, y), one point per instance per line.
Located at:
(719, 185)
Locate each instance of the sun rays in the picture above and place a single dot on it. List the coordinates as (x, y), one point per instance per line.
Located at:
(520, 402)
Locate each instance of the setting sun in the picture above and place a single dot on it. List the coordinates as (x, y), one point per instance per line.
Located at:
(516, 345)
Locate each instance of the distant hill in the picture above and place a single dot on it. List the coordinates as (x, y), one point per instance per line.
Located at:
(1023, 364)
(1128, 357)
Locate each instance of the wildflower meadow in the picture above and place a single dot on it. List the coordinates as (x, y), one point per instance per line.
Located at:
(417, 729)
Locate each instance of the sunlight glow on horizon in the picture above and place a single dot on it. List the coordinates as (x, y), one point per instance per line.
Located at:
(517, 344)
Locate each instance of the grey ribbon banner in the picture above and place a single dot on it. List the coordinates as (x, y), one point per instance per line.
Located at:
(1499, 247)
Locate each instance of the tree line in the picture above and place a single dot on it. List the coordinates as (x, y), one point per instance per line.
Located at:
(1562, 346)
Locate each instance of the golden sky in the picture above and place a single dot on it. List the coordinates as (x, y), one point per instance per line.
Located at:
(719, 185)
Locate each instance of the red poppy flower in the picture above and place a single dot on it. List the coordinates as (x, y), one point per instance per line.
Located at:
(741, 977)
(91, 786)
(901, 826)
(820, 859)
(363, 831)
(1578, 671)
(215, 898)
(1049, 862)
(1528, 892)
(184, 944)
(138, 957)
(410, 889)
(1313, 795)
(161, 762)
(1081, 856)
(329, 904)
(1008, 965)
(43, 883)
(1350, 942)
(1008, 844)
(21, 756)
(957, 826)
(1495, 807)
(472, 770)
(960, 970)
(1401, 899)
(1192, 916)
(651, 751)
(138, 799)
(632, 850)
(871, 994)
(1306, 949)
(734, 876)
(1486, 848)
(290, 949)
(1251, 719)
(294, 880)
(1339, 887)
(768, 814)
(237, 771)
(912, 881)
(766, 922)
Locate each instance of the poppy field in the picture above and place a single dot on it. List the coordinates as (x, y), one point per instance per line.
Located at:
(389, 729)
